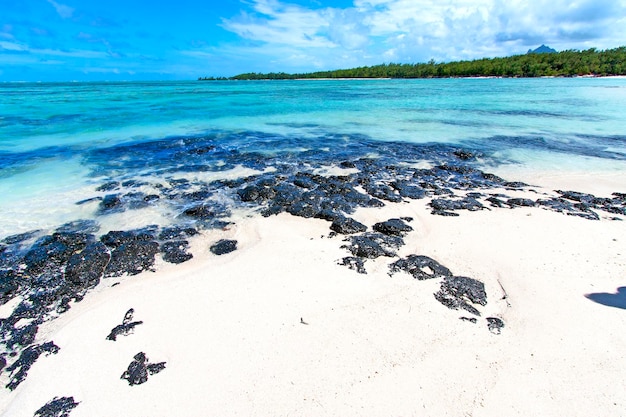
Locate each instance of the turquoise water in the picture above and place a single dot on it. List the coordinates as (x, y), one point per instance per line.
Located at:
(59, 141)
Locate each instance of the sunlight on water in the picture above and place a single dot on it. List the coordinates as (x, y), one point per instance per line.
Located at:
(49, 132)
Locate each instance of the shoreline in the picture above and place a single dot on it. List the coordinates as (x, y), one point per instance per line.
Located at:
(256, 278)
(264, 330)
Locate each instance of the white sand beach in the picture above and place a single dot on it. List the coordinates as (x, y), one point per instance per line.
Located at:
(278, 328)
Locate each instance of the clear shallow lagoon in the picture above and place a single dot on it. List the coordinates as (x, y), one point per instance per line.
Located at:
(58, 142)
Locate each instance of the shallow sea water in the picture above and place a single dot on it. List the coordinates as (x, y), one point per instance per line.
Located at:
(59, 142)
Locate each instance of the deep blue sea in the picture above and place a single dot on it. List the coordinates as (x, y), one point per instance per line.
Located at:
(62, 143)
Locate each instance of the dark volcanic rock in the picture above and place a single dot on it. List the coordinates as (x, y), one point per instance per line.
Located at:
(495, 325)
(177, 232)
(79, 226)
(117, 238)
(201, 211)
(443, 206)
(408, 190)
(85, 269)
(373, 245)
(420, 267)
(132, 258)
(22, 336)
(346, 226)
(521, 202)
(393, 227)
(383, 192)
(21, 237)
(354, 263)
(175, 252)
(19, 369)
(223, 247)
(110, 203)
(108, 186)
(57, 407)
(54, 250)
(126, 327)
(470, 319)
(139, 369)
(9, 285)
(459, 292)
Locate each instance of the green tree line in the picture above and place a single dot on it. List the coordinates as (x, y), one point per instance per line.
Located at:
(561, 64)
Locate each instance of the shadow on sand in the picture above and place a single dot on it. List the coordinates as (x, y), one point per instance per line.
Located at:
(617, 299)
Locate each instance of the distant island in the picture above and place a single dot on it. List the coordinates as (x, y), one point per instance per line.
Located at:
(541, 62)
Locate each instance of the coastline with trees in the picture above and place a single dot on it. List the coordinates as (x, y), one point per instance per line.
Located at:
(570, 63)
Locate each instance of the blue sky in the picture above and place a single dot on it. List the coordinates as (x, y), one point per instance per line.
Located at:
(57, 40)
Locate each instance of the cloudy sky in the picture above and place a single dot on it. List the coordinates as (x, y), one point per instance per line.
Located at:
(56, 40)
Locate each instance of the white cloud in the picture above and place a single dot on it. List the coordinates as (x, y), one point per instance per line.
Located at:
(281, 24)
(418, 30)
(64, 11)
(12, 46)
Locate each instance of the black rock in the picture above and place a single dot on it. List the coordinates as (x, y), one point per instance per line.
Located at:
(132, 258)
(54, 250)
(177, 232)
(420, 267)
(347, 225)
(22, 336)
(470, 319)
(521, 202)
(576, 196)
(496, 202)
(223, 247)
(458, 292)
(57, 407)
(443, 205)
(110, 203)
(9, 285)
(84, 269)
(19, 369)
(117, 238)
(176, 251)
(408, 190)
(21, 237)
(108, 186)
(79, 226)
(495, 325)
(393, 227)
(354, 263)
(373, 245)
(463, 155)
(383, 192)
(126, 327)
(202, 212)
(139, 369)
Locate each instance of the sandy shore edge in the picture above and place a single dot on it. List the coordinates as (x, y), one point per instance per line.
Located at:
(230, 328)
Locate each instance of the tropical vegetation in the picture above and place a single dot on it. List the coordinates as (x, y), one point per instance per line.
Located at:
(570, 63)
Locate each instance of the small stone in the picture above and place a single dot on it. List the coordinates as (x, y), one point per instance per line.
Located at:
(420, 267)
(223, 247)
(139, 369)
(346, 226)
(126, 327)
(393, 227)
(57, 407)
(495, 325)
